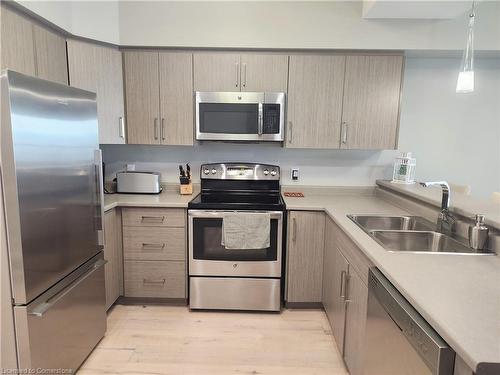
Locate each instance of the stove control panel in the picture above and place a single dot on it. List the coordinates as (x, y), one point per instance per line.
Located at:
(240, 171)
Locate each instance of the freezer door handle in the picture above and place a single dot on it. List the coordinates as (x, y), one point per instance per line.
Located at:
(45, 306)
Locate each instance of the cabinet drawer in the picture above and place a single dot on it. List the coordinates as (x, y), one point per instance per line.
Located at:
(163, 279)
(154, 217)
(154, 243)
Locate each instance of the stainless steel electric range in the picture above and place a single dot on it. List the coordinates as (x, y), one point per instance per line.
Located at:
(235, 279)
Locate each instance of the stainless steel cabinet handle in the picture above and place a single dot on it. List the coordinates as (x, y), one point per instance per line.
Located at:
(244, 74)
(347, 277)
(163, 129)
(342, 284)
(155, 124)
(237, 69)
(43, 307)
(153, 246)
(160, 219)
(290, 128)
(121, 127)
(294, 236)
(344, 132)
(153, 281)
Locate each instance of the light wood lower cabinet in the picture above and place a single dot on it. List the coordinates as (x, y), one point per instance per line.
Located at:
(154, 244)
(345, 296)
(305, 256)
(113, 270)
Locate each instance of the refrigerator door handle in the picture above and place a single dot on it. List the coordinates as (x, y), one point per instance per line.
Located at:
(45, 306)
(100, 191)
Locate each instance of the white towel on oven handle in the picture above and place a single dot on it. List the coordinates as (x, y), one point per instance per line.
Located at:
(246, 230)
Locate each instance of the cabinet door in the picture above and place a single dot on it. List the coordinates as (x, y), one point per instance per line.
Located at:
(113, 268)
(50, 51)
(216, 72)
(315, 101)
(305, 256)
(371, 102)
(356, 302)
(339, 270)
(99, 69)
(176, 98)
(264, 73)
(142, 93)
(17, 47)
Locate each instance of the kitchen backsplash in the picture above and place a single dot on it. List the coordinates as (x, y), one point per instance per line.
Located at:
(316, 167)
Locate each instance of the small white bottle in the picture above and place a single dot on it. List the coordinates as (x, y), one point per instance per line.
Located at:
(404, 169)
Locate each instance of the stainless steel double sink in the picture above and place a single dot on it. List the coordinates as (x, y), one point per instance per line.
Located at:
(410, 234)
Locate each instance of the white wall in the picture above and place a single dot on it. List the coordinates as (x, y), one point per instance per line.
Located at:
(455, 137)
(262, 24)
(317, 167)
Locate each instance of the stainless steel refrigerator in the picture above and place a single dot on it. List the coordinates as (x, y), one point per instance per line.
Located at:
(52, 195)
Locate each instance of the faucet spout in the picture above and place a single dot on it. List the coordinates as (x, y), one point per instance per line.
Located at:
(446, 221)
(446, 197)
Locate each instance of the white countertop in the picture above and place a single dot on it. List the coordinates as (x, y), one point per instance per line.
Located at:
(459, 295)
(459, 203)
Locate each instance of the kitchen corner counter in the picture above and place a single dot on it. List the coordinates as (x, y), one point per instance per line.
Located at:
(169, 197)
(459, 295)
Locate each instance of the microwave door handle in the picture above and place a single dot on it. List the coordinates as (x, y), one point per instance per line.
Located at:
(260, 125)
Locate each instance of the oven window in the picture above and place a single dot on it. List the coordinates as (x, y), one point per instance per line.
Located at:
(228, 118)
(207, 235)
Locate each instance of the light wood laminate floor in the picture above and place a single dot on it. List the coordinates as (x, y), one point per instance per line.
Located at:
(174, 340)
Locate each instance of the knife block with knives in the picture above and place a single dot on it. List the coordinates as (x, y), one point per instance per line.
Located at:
(186, 186)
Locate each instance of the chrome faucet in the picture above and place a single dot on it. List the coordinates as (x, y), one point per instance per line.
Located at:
(446, 221)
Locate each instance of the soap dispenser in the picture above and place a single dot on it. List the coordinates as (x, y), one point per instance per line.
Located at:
(478, 234)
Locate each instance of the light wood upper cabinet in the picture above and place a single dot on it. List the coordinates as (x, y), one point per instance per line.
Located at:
(315, 101)
(371, 102)
(50, 50)
(113, 271)
(142, 95)
(245, 72)
(159, 97)
(17, 45)
(305, 256)
(98, 69)
(176, 98)
(216, 71)
(264, 73)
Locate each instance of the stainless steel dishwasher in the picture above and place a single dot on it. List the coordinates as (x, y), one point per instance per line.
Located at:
(398, 340)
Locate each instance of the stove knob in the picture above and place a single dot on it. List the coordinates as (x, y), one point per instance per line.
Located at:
(273, 173)
(214, 171)
(206, 171)
(266, 172)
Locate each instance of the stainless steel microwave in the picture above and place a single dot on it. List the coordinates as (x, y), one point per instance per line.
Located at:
(240, 116)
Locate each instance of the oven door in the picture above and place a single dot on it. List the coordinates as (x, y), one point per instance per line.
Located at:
(239, 116)
(207, 257)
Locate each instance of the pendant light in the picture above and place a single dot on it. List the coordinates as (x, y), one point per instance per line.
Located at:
(465, 81)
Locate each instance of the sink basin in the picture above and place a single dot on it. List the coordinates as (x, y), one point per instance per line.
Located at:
(377, 222)
(416, 241)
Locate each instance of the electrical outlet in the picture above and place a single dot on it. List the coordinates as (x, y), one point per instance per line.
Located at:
(294, 174)
(130, 167)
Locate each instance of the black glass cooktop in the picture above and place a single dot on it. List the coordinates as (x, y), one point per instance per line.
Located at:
(238, 201)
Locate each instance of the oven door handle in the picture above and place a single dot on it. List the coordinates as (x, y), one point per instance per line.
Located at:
(207, 214)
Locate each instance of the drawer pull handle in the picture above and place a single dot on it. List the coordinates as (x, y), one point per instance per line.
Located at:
(153, 246)
(155, 219)
(153, 281)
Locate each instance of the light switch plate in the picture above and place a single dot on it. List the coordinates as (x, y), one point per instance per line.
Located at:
(130, 167)
(294, 174)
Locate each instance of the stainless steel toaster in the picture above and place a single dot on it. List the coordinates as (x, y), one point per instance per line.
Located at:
(138, 182)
